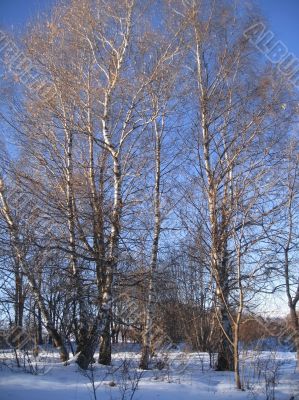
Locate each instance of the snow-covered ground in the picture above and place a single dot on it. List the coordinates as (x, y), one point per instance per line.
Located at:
(184, 376)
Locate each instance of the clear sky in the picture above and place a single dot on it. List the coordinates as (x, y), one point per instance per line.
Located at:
(283, 16)
(16, 13)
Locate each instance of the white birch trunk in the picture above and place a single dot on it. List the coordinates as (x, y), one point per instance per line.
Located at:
(147, 335)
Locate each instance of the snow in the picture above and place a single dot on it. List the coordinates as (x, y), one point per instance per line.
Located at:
(191, 379)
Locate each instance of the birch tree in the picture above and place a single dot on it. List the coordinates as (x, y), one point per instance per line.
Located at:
(234, 102)
(93, 121)
(284, 235)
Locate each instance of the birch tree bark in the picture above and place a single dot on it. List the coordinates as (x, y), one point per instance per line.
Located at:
(147, 335)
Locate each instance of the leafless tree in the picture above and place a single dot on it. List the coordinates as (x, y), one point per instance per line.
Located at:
(284, 233)
(19, 245)
(230, 138)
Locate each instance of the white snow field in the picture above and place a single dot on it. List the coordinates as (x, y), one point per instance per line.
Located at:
(266, 375)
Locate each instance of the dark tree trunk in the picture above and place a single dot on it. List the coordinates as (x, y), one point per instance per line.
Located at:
(86, 353)
(58, 342)
(295, 330)
(39, 327)
(105, 345)
(19, 298)
(225, 361)
(86, 346)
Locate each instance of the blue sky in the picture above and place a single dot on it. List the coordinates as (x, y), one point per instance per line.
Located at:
(16, 13)
(283, 17)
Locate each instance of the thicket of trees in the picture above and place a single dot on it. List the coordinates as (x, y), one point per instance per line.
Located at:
(162, 171)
